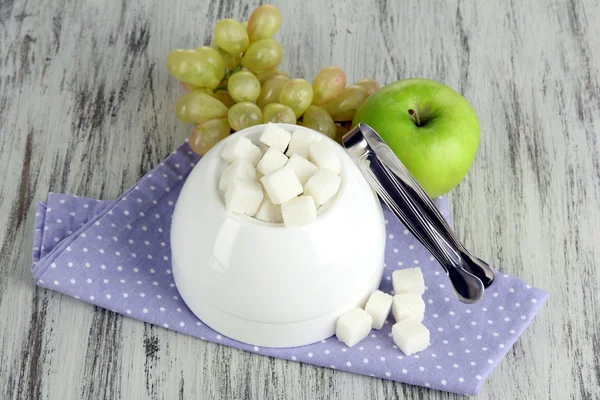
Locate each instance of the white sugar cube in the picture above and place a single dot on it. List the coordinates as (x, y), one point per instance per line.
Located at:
(275, 137)
(408, 305)
(353, 326)
(410, 336)
(258, 177)
(243, 197)
(301, 141)
(282, 185)
(269, 212)
(378, 307)
(299, 211)
(323, 155)
(241, 148)
(408, 280)
(303, 168)
(239, 169)
(323, 186)
(263, 147)
(272, 160)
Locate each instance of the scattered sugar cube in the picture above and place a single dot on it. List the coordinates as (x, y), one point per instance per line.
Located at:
(408, 305)
(303, 168)
(258, 177)
(410, 336)
(271, 161)
(408, 280)
(323, 186)
(269, 212)
(323, 155)
(239, 169)
(241, 148)
(353, 326)
(275, 137)
(243, 197)
(301, 141)
(282, 185)
(299, 211)
(378, 307)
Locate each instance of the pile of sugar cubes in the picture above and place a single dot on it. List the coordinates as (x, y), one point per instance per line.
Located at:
(285, 178)
(407, 306)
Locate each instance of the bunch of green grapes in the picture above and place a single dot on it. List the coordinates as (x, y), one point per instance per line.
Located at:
(235, 83)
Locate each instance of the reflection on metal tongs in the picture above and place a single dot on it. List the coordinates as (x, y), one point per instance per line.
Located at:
(408, 201)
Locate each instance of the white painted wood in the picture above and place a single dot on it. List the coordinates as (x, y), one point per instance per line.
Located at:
(86, 107)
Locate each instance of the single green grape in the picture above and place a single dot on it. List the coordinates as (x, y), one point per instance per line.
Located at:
(230, 60)
(193, 67)
(224, 97)
(214, 58)
(328, 84)
(262, 76)
(205, 135)
(197, 107)
(278, 113)
(244, 115)
(318, 119)
(263, 55)
(243, 86)
(344, 106)
(264, 22)
(296, 94)
(271, 88)
(371, 85)
(231, 36)
(245, 25)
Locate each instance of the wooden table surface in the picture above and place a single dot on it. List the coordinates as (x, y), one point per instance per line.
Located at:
(87, 107)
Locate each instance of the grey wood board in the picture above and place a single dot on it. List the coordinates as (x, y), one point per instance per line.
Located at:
(87, 107)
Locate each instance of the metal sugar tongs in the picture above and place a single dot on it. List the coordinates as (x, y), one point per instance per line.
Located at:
(408, 201)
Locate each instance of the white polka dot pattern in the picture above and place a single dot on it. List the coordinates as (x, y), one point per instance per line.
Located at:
(107, 253)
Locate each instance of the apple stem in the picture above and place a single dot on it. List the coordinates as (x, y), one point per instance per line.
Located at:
(415, 117)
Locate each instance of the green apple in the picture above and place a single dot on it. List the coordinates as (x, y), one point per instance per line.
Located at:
(432, 129)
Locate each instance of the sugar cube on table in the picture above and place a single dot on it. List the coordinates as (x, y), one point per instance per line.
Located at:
(408, 305)
(408, 280)
(353, 326)
(239, 169)
(243, 197)
(323, 185)
(269, 212)
(272, 160)
(299, 211)
(323, 155)
(275, 137)
(241, 148)
(379, 306)
(410, 336)
(282, 185)
(301, 141)
(303, 168)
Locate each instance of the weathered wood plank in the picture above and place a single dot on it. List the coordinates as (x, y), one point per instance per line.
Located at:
(86, 107)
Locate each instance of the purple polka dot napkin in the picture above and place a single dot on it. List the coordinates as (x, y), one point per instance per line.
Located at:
(116, 255)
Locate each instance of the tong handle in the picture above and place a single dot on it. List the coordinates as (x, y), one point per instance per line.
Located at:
(439, 224)
(394, 193)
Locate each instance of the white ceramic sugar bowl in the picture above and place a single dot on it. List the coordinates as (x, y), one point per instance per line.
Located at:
(265, 284)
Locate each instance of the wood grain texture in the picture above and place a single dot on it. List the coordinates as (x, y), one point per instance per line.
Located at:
(87, 106)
